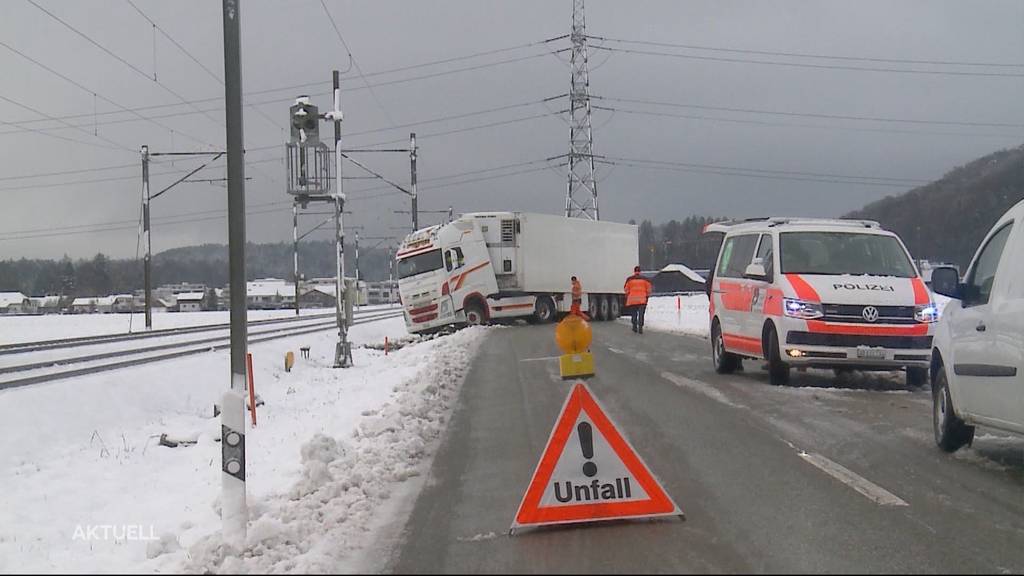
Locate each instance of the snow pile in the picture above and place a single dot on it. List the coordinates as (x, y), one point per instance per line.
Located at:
(327, 514)
(690, 317)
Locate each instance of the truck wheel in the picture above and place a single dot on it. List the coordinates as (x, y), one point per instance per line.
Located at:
(916, 377)
(778, 371)
(614, 307)
(544, 310)
(475, 315)
(725, 362)
(603, 309)
(951, 433)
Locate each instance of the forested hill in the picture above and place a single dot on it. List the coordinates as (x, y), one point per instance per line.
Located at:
(947, 219)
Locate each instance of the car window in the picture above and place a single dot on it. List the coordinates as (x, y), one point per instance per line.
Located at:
(460, 260)
(737, 253)
(983, 275)
(448, 260)
(764, 254)
(843, 253)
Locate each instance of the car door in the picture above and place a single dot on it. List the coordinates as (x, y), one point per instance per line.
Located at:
(984, 385)
(734, 291)
(1006, 330)
(758, 288)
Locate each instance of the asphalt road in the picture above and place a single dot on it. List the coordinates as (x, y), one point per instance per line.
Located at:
(820, 476)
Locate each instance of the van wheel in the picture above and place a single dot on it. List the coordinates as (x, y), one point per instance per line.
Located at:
(778, 371)
(951, 433)
(916, 377)
(475, 315)
(544, 310)
(614, 307)
(725, 362)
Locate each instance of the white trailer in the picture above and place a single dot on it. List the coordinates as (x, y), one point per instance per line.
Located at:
(491, 265)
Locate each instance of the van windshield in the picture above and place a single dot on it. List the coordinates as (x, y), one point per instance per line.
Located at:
(420, 263)
(843, 253)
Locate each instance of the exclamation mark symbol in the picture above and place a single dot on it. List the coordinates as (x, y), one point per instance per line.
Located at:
(587, 445)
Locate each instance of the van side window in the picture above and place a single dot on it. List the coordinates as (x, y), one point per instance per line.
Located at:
(737, 253)
(764, 254)
(460, 260)
(983, 275)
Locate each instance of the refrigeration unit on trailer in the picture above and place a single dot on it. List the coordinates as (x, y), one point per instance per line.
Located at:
(492, 265)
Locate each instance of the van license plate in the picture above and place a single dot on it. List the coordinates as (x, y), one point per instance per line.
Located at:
(870, 353)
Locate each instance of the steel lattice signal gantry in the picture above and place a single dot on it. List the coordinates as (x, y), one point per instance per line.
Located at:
(581, 193)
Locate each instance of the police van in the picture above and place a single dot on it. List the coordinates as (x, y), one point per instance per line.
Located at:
(841, 294)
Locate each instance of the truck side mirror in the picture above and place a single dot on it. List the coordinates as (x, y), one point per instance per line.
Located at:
(946, 281)
(755, 271)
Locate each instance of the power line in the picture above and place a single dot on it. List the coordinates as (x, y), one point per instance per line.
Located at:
(809, 55)
(795, 125)
(810, 65)
(774, 172)
(115, 145)
(355, 63)
(211, 73)
(812, 115)
(749, 173)
(65, 172)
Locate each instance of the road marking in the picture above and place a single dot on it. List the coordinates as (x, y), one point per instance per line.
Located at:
(867, 488)
(538, 359)
(701, 388)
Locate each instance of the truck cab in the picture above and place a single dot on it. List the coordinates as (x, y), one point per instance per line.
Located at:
(841, 294)
(439, 273)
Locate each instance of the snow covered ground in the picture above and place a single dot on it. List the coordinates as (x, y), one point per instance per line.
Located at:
(86, 486)
(691, 316)
(14, 329)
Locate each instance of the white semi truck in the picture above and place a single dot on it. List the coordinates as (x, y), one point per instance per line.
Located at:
(492, 265)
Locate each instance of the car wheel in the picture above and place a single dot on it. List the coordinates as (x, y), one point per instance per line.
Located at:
(778, 371)
(725, 362)
(951, 433)
(916, 377)
(475, 315)
(544, 310)
(614, 307)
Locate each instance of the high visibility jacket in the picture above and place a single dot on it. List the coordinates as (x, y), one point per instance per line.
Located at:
(577, 291)
(638, 289)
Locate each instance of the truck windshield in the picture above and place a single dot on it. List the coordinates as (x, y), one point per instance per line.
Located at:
(843, 253)
(420, 263)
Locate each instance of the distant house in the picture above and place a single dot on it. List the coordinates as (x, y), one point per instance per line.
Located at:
(46, 304)
(190, 302)
(15, 303)
(269, 294)
(383, 292)
(83, 305)
(321, 296)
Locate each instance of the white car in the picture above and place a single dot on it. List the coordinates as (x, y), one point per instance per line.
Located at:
(841, 294)
(978, 355)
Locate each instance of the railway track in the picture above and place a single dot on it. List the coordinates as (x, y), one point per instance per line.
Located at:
(145, 355)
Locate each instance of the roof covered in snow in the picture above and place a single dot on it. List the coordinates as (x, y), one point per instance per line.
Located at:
(190, 297)
(685, 271)
(8, 298)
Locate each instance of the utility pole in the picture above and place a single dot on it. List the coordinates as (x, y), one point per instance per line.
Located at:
(343, 352)
(145, 234)
(412, 167)
(234, 512)
(581, 193)
(295, 252)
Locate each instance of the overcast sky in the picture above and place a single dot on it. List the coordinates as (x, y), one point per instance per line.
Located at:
(746, 122)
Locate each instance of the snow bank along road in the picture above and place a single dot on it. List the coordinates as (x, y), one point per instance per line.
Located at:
(25, 363)
(821, 476)
(88, 487)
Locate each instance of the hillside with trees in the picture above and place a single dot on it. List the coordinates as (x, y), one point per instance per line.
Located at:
(947, 219)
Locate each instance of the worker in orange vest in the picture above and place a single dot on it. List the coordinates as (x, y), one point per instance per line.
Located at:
(638, 289)
(577, 298)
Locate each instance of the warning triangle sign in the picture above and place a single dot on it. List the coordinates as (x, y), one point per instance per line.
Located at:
(590, 472)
